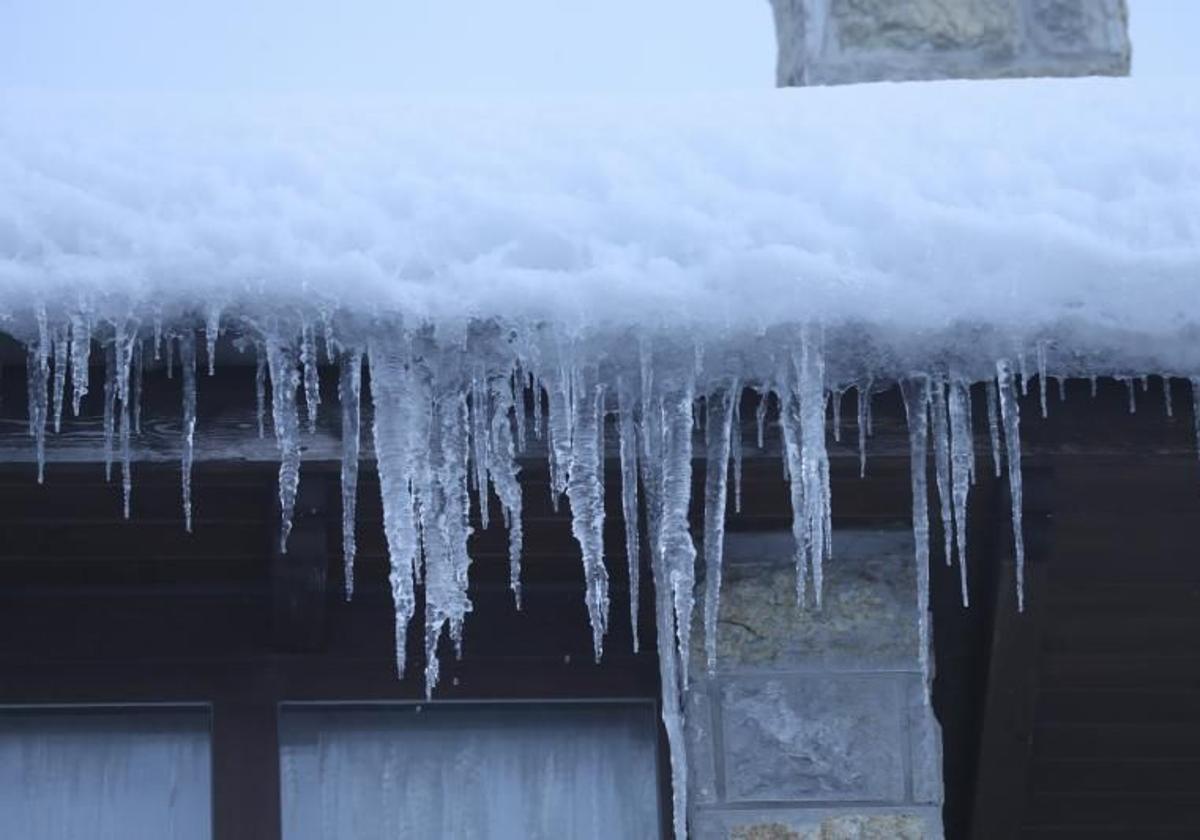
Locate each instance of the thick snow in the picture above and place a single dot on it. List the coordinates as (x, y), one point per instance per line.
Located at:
(918, 211)
(647, 262)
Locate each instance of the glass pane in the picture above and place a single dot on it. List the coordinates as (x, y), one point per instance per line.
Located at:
(105, 775)
(470, 771)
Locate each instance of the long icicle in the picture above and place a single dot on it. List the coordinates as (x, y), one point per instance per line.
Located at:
(993, 417)
(679, 552)
(187, 363)
(586, 493)
(505, 474)
(627, 436)
(61, 344)
(719, 405)
(940, 428)
(398, 444)
(350, 398)
(283, 366)
(1010, 414)
(962, 459)
(654, 468)
(915, 392)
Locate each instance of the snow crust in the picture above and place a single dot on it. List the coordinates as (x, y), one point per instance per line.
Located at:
(913, 212)
(484, 276)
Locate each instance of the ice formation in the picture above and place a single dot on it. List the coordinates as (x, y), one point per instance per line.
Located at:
(609, 276)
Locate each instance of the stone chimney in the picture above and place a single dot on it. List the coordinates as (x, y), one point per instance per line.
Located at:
(825, 42)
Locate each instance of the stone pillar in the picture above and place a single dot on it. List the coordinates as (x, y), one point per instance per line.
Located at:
(842, 41)
(814, 726)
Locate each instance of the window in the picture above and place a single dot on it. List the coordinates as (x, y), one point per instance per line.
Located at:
(119, 774)
(529, 770)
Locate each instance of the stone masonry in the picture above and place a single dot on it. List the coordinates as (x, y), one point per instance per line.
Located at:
(842, 41)
(814, 725)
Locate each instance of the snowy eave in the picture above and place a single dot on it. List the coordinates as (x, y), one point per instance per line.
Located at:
(940, 219)
(575, 275)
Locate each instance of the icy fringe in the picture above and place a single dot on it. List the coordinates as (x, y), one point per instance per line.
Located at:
(454, 416)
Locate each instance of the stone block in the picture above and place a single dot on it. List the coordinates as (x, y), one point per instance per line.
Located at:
(817, 737)
(820, 824)
(925, 25)
(1080, 27)
(868, 617)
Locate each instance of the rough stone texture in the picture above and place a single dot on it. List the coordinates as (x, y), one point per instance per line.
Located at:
(871, 824)
(922, 24)
(866, 619)
(809, 708)
(830, 737)
(840, 41)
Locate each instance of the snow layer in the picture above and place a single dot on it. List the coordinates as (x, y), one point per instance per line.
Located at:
(916, 211)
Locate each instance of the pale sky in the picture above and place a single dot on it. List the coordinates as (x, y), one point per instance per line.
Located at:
(466, 48)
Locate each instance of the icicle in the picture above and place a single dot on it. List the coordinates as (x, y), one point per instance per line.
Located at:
(444, 506)
(479, 438)
(139, 370)
(719, 422)
(993, 411)
(811, 471)
(187, 364)
(1061, 382)
(158, 335)
(736, 432)
(61, 343)
(1195, 382)
(331, 353)
(864, 412)
(1093, 382)
(587, 499)
(1010, 412)
(678, 550)
(627, 437)
(670, 563)
(1024, 372)
(558, 390)
(835, 396)
(760, 417)
(1168, 406)
(110, 400)
(517, 395)
(539, 406)
(81, 352)
(212, 326)
(941, 462)
(349, 396)
(1041, 363)
(312, 382)
(401, 441)
(124, 433)
(502, 466)
(916, 408)
(1144, 381)
(260, 387)
(962, 460)
(37, 376)
(1132, 395)
(170, 360)
(283, 367)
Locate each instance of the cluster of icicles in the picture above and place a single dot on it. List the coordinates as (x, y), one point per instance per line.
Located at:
(450, 418)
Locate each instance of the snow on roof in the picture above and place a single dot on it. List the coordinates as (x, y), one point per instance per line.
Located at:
(1033, 207)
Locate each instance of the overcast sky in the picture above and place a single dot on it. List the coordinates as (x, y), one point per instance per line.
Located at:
(442, 47)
